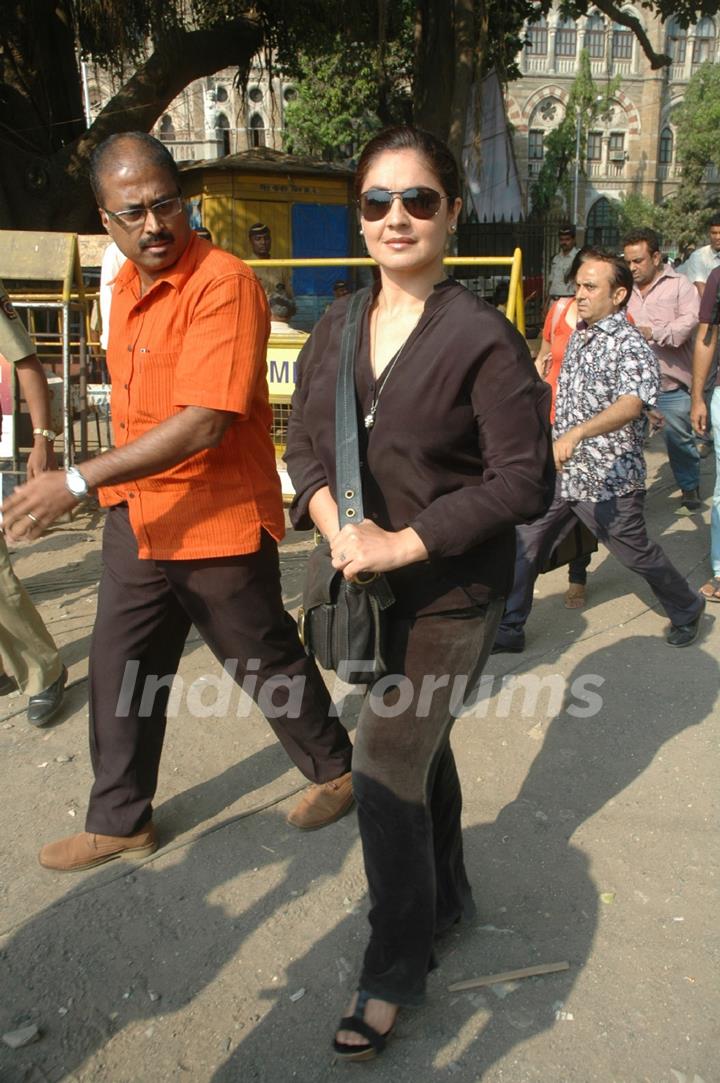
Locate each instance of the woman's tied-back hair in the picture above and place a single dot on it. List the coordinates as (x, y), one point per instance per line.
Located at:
(406, 137)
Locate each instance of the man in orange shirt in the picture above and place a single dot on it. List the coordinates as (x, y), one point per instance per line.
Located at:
(194, 517)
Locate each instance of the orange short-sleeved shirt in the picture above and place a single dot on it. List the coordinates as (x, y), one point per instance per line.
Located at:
(196, 338)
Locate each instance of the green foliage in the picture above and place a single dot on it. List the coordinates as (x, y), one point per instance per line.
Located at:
(347, 89)
(685, 215)
(335, 108)
(636, 211)
(684, 218)
(697, 121)
(586, 103)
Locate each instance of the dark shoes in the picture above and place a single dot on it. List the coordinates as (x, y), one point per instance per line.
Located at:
(86, 850)
(690, 500)
(508, 648)
(323, 804)
(46, 704)
(682, 635)
(376, 1041)
(7, 684)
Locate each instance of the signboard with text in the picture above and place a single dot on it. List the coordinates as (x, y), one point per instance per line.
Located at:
(282, 355)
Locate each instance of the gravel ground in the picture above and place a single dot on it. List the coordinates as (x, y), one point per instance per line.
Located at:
(591, 837)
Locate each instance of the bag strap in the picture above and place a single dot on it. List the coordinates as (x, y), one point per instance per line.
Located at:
(347, 453)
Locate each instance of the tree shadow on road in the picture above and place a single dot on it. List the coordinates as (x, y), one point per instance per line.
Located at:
(533, 887)
(144, 943)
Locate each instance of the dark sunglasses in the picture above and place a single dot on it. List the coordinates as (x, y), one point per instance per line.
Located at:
(422, 203)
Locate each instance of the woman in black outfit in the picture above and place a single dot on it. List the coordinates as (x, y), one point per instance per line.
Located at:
(455, 451)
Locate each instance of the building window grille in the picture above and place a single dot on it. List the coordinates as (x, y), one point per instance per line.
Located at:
(666, 146)
(595, 37)
(566, 38)
(536, 147)
(676, 42)
(704, 44)
(622, 43)
(537, 38)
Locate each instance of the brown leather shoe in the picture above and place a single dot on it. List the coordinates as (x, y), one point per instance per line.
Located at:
(323, 804)
(86, 850)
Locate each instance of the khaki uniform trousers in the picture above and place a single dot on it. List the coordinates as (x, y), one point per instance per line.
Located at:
(27, 650)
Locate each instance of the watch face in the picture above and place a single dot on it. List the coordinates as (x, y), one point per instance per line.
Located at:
(76, 483)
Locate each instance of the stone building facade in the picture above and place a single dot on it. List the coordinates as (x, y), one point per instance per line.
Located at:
(210, 118)
(633, 147)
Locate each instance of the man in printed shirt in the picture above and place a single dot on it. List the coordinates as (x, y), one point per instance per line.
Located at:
(608, 377)
(665, 309)
(195, 512)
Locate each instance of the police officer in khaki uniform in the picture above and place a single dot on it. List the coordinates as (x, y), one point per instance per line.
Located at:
(28, 655)
(273, 280)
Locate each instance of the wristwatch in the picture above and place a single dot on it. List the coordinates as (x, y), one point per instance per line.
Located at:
(47, 433)
(76, 483)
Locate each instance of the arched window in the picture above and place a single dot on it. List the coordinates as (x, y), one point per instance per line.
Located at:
(595, 35)
(167, 128)
(676, 41)
(666, 146)
(622, 42)
(603, 225)
(704, 44)
(257, 131)
(222, 127)
(566, 38)
(537, 37)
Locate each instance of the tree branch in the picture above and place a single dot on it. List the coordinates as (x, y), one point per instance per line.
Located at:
(657, 60)
(189, 55)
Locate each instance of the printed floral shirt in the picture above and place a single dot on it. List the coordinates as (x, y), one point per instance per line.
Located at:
(603, 362)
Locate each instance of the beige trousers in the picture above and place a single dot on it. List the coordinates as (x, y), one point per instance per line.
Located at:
(27, 650)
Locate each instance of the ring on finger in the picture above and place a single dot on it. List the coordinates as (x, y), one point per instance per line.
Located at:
(33, 518)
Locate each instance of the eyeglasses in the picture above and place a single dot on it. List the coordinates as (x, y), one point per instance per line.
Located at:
(166, 208)
(422, 203)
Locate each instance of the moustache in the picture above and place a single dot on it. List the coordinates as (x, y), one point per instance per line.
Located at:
(157, 238)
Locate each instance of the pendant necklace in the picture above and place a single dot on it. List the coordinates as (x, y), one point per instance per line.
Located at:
(384, 376)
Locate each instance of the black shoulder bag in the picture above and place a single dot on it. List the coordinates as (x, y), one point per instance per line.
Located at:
(342, 623)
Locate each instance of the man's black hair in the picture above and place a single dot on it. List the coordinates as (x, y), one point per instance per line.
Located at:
(109, 153)
(648, 236)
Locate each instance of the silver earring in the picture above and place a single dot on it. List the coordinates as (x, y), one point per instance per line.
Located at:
(453, 228)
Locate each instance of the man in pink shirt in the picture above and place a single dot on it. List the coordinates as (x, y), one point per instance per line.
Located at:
(665, 307)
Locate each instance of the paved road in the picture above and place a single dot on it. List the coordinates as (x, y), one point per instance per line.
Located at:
(591, 837)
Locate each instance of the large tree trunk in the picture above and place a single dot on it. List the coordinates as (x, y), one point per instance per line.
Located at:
(43, 180)
(442, 94)
(434, 39)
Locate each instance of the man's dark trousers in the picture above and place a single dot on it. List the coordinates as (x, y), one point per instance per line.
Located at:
(620, 525)
(145, 611)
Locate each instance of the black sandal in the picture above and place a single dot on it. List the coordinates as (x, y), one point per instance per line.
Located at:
(356, 1023)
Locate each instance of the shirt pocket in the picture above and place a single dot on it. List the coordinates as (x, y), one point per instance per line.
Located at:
(151, 399)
